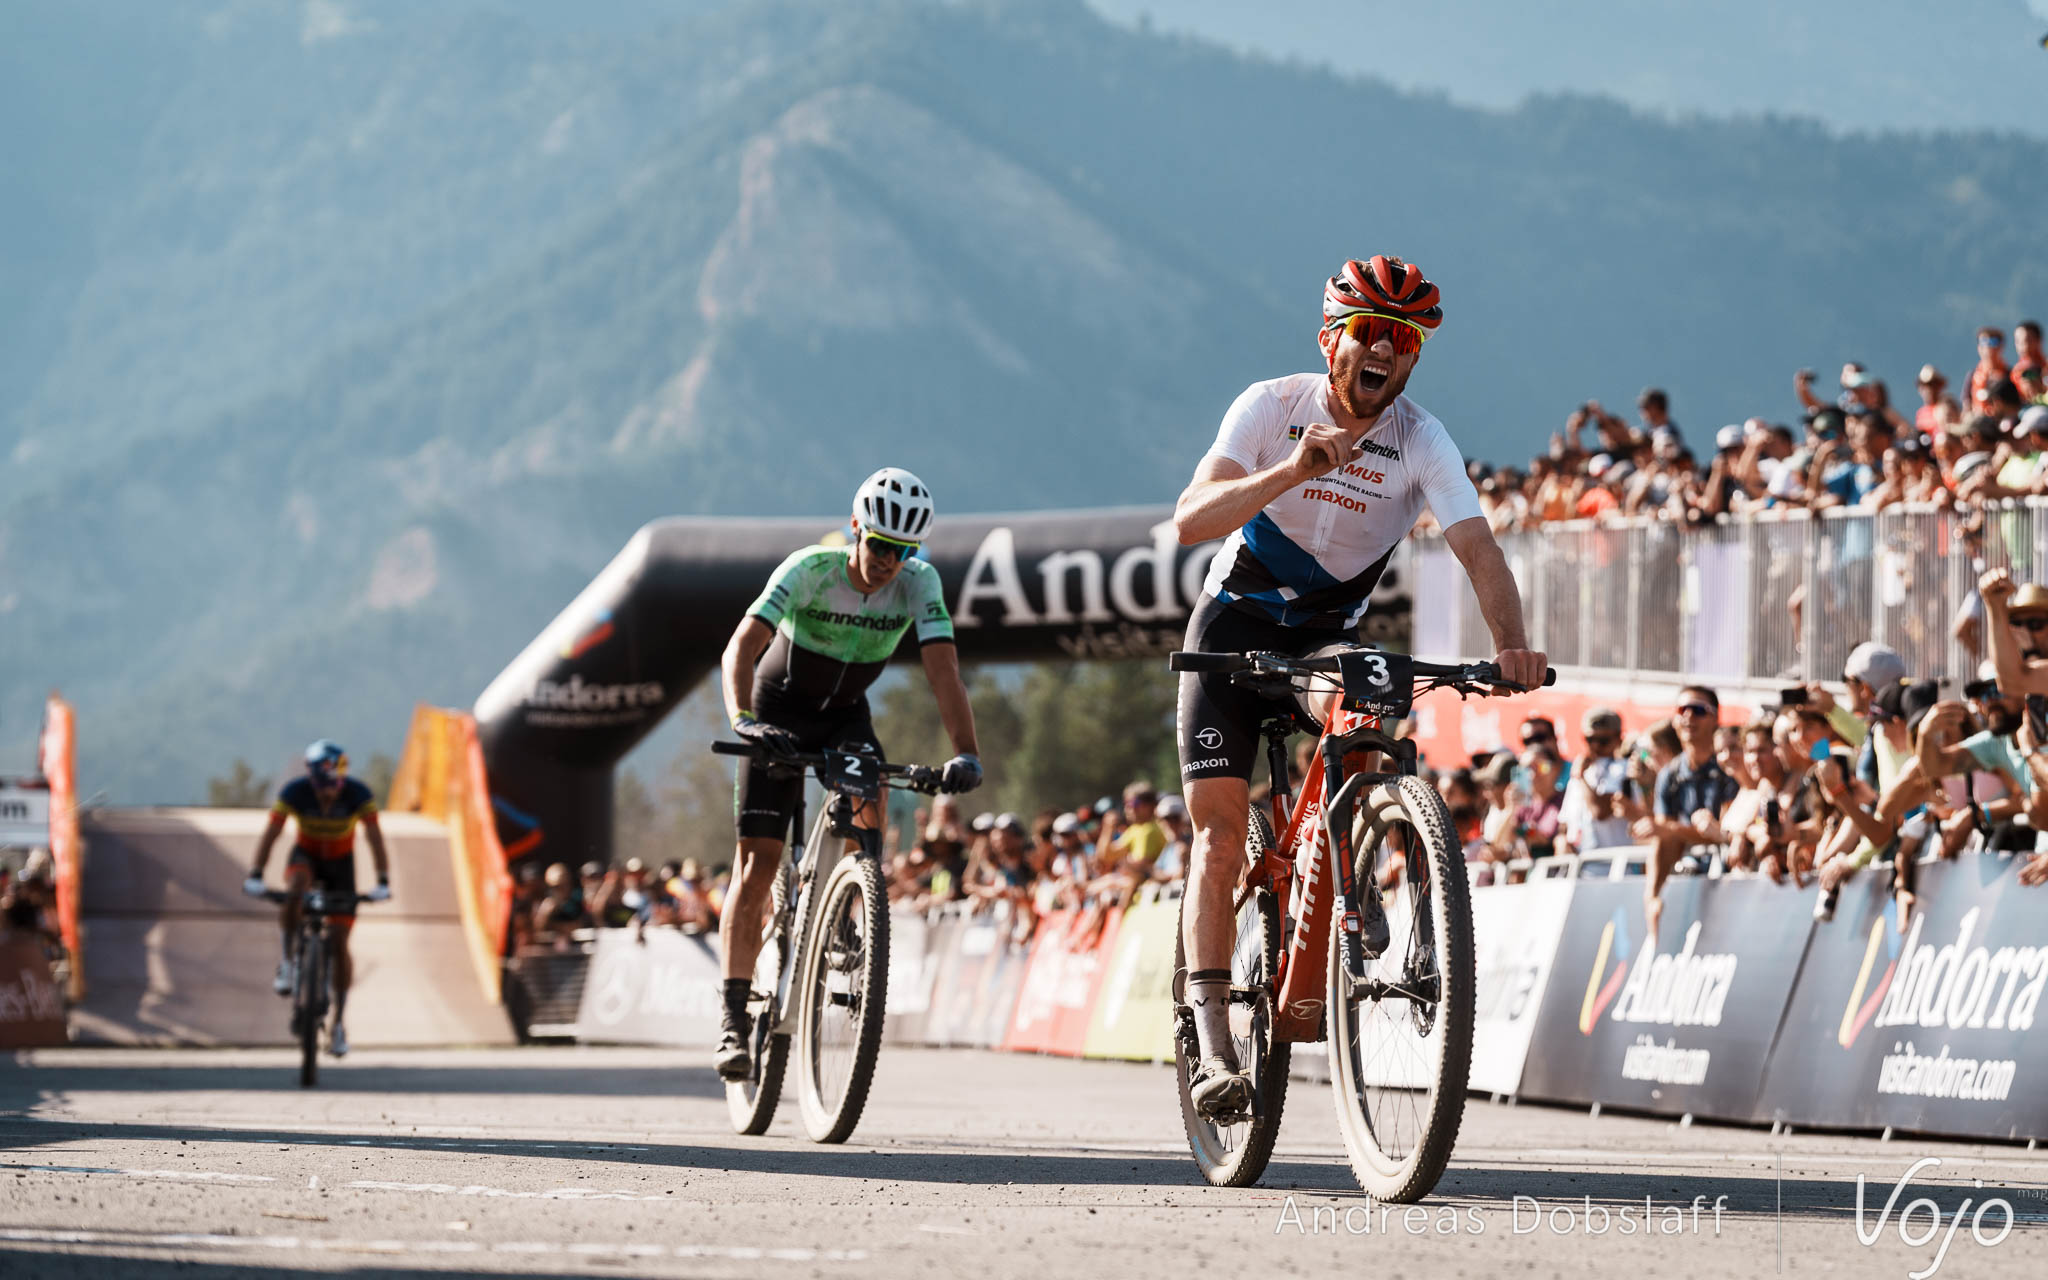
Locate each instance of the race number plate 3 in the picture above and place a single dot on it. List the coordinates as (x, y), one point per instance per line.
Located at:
(851, 774)
(1377, 683)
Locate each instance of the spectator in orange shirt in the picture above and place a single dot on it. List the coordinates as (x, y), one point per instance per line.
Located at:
(1939, 414)
(1598, 498)
(1991, 364)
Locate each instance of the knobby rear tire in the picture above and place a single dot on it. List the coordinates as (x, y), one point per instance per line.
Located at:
(306, 1004)
(1237, 1155)
(1440, 1058)
(751, 1103)
(853, 910)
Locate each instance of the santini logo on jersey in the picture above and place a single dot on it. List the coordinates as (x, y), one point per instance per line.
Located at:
(888, 622)
(1364, 446)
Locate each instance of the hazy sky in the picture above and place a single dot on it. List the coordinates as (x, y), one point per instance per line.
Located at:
(1860, 64)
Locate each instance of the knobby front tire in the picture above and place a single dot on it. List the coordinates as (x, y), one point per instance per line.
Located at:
(845, 985)
(1235, 1155)
(1399, 1129)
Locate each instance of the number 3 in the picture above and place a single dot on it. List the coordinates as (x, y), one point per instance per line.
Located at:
(1379, 670)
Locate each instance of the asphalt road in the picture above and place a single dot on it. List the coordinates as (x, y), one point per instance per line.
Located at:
(611, 1161)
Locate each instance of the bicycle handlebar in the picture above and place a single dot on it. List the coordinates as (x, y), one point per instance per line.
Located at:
(280, 896)
(1487, 673)
(909, 777)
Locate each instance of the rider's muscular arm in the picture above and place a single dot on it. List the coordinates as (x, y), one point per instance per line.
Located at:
(942, 668)
(749, 641)
(1223, 496)
(378, 853)
(271, 830)
(1500, 600)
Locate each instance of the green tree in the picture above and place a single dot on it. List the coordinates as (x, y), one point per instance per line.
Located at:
(1087, 729)
(378, 775)
(240, 789)
(637, 826)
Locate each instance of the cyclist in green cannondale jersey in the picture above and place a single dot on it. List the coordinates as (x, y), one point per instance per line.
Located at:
(796, 674)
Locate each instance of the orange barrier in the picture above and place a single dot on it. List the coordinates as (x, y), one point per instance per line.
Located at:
(441, 774)
(1449, 730)
(59, 752)
(1057, 998)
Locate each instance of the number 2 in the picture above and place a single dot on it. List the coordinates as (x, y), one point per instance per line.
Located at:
(853, 766)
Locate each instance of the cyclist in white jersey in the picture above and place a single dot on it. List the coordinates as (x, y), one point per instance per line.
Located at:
(1313, 480)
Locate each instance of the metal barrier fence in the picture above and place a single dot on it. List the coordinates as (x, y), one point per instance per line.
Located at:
(1758, 597)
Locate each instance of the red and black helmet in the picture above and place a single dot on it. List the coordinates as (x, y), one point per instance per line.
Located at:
(1385, 286)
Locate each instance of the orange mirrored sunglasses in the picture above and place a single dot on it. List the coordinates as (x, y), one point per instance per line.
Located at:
(1405, 336)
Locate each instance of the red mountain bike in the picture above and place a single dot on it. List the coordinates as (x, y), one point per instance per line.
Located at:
(1374, 852)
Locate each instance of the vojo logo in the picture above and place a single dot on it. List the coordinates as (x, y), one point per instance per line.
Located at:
(1953, 984)
(1687, 988)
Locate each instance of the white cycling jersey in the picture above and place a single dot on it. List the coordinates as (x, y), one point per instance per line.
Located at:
(1313, 556)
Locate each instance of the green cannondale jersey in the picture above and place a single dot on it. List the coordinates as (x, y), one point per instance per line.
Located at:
(831, 641)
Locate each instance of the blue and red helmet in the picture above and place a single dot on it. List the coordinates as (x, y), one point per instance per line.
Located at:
(326, 761)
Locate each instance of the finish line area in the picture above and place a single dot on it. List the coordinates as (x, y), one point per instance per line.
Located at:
(606, 1160)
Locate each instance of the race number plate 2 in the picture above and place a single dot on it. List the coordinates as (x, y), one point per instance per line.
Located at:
(851, 774)
(1377, 683)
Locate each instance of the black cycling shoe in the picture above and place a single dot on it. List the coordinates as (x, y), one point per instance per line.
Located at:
(1219, 1090)
(732, 1061)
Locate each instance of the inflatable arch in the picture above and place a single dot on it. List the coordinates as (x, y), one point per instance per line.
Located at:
(1067, 585)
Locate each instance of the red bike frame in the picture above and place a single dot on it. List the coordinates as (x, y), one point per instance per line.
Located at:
(1303, 862)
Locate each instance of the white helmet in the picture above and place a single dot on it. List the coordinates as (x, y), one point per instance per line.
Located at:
(895, 504)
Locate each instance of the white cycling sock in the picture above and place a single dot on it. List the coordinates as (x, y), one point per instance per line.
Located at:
(1209, 997)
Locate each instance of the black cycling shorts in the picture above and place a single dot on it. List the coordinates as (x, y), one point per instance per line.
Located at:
(764, 801)
(1219, 721)
(335, 875)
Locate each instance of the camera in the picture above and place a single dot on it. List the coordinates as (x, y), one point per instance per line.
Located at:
(1793, 697)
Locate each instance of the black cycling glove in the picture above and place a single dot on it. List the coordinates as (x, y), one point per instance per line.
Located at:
(775, 739)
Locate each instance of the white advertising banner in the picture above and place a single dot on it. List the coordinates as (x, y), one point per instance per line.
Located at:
(664, 988)
(1515, 930)
(24, 816)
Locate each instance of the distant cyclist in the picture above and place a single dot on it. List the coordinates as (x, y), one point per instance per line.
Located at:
(827, 623)
(328, 805)
(1313, 480)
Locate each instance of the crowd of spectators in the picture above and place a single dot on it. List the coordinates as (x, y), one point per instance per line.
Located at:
(1095, 856)
(1810, 790)
(1858, 451)
(552, 905)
